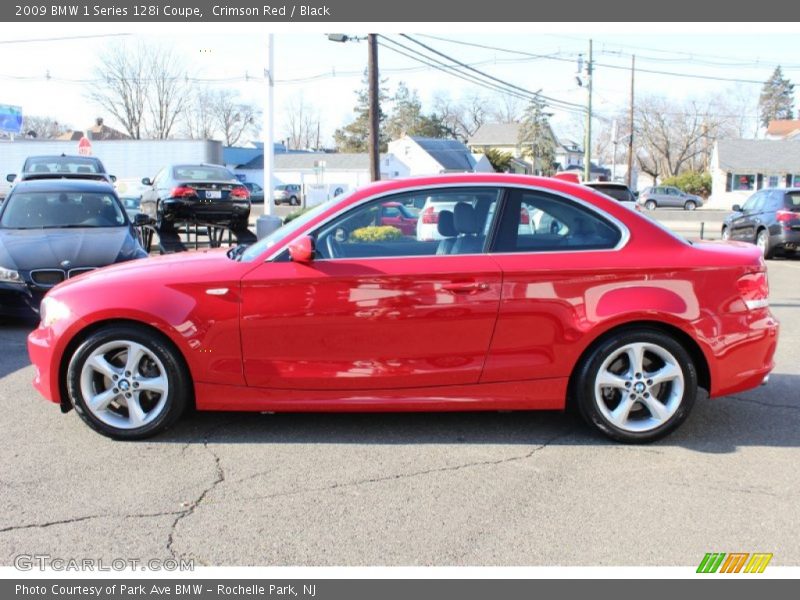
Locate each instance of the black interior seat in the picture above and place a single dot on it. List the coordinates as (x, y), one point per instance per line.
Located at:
(466, 222)
(446, 227)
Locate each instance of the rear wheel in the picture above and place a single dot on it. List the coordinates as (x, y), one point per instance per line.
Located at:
(650, 205)
(762, 241)
(636, 386)
(294, 201)
(689, 205)
(127, 383)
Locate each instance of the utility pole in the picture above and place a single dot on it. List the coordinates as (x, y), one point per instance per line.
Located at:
(374, 109)
(269, 221)
(630, 137)
(587, 152)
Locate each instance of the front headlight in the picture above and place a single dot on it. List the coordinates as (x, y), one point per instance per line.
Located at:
(52, 310)
(10, 276)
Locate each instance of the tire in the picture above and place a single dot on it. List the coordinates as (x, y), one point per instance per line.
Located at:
(651, 205)
(103, 356)
(762, 241)
(690, 205)
(654, 409)
(726, 234)
(293, 201)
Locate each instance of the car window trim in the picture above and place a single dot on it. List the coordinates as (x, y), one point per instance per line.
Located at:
(274, 255)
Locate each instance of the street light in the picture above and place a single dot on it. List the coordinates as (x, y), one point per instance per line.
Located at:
(374, 107)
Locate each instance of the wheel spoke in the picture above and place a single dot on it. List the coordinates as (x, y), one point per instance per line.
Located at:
(657, 410)
(136, 415)
(153, 384)
(135, 354)
(620, 414)
(608, 379)
(102, 400)
(635, 354)
(668, 372)
(102, 366)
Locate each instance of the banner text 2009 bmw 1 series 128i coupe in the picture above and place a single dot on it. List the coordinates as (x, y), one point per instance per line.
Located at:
(534, 294)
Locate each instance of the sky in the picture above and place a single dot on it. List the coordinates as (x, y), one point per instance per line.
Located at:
(46, 76)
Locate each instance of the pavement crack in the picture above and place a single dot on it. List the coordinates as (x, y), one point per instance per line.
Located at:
(85, 518)
(424, 472)
(768, 404)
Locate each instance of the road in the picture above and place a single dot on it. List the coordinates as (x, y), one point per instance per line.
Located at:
(441, 489)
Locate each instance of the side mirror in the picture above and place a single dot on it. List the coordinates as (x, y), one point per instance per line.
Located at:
(113, 178)
(737, 208)
(146, 181)
(301, 250)
(11, 177)
(141, 219)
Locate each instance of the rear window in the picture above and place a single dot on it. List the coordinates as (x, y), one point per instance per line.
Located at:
(621, 194)
(793, 201)
(63, 165)
(202, 173)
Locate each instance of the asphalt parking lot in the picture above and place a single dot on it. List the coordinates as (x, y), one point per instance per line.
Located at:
(418, 489)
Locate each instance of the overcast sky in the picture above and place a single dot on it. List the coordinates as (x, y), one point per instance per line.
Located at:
(327, 74)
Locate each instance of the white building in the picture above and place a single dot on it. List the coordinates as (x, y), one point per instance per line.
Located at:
(432, 156)
(740, 167)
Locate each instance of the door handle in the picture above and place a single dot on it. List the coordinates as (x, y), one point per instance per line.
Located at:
(465, 288)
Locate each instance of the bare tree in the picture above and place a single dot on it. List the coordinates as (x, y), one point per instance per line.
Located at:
(301, 124)
(198, 119)
(463, 118)
(167, 91)
(506, 108)
(233, 119)
(121, 86)
(42, 127)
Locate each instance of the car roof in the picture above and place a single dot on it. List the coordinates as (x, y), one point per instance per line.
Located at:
(606, 184)
(63, 156)
(57, 184)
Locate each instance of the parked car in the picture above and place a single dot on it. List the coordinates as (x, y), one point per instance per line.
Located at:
(132, 206)
(770, 218)
(619, 191)
(611, 313)
(197, 194)
(62, 166)
(256, 192)
(666, 196)
(52, 230)
(289, 193)
(397, 215)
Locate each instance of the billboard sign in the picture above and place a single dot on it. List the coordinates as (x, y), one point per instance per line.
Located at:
(10, 118)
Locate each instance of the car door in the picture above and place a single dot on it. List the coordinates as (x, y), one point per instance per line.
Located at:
(149, 203)
(548, 277)
(376, 308)
(744, 225)
(672, 197)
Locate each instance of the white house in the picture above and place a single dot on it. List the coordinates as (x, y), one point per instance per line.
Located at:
(740, 167)
(431, 156)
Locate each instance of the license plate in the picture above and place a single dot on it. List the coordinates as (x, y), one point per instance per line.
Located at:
(213, 195)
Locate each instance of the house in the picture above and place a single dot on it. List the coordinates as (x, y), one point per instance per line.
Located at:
(504, 137)
(740, 167)
(97, 132)
(784, 129)
(431, 156)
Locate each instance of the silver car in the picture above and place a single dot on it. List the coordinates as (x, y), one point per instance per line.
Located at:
(668, 196)
(289, 193)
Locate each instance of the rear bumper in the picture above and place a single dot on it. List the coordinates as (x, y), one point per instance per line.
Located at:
(786, 240)
(200, 210)
(747, 358)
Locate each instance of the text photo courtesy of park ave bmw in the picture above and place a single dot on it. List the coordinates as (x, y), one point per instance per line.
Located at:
(316, 297)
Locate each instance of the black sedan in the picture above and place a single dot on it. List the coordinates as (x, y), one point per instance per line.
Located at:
(54, 229)
(208, 194)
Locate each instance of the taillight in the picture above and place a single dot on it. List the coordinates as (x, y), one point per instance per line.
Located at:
(786, 217)
(430, 216)
(183, 191)
(754, 290)
(524, 217)
(240, 193)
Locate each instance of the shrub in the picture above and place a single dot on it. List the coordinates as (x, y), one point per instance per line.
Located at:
(373, 233)
(294, 215)
(691, 182)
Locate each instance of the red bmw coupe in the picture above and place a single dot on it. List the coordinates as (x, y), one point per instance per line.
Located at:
(590, 304)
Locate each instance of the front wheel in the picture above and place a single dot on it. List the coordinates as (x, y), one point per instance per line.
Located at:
(690, 205)
(127, 383)
(636, 386)
(650, 205)
(293, 201)
(726, 234)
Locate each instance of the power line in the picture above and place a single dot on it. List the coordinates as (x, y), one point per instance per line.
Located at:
(64, 38)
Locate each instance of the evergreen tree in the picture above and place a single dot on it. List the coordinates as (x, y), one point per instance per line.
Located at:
(407, 117)
(355, 136)
(777, 98)
(535, 138)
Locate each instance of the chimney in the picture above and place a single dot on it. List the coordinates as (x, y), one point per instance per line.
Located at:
(99, 121)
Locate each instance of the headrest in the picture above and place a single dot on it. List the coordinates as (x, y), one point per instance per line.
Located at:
(446, 224)
(466, 221)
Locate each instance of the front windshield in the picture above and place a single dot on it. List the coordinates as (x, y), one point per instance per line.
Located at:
(51, 210)
(282, 232)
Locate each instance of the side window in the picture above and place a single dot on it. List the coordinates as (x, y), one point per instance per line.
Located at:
(750, 204)
(534, 221)
(158, 178)
(452, 221)
(760, 202)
